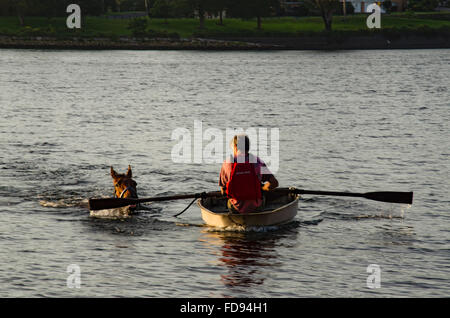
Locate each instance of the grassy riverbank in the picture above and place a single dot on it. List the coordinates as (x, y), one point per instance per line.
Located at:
(400, 30)
(188, 28)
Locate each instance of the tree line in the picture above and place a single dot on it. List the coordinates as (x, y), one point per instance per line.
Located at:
(246, 9)
(155, 8)
(178, 8)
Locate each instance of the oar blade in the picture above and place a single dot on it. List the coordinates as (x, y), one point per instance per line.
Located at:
(390, 196)
(109, 203)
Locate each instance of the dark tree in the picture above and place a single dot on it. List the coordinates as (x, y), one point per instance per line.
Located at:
(217, 7)
(253, 9)
(162, 9)
(20, 7)
(326, 9)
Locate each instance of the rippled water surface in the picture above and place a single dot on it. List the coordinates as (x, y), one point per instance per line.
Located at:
(348, 121)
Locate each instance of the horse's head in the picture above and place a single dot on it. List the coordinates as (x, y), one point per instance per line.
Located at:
(124, 185)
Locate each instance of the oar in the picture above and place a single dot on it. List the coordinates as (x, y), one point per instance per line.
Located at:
(384, 196)
(112, 203)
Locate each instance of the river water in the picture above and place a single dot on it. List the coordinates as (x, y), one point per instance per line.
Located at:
(348, 121)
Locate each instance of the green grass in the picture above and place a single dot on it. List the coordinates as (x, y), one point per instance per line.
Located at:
(286, 26)
(91, 27)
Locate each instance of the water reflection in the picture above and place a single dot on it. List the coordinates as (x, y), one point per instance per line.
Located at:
(249, 257)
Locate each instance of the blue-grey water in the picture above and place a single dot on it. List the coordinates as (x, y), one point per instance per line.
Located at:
(348, 121)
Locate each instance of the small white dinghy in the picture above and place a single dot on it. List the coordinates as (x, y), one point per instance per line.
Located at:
(280, 208)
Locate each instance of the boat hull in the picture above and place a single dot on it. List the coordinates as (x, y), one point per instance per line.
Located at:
(281, 209)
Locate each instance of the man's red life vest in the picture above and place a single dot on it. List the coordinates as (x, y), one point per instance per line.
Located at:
(244, 184)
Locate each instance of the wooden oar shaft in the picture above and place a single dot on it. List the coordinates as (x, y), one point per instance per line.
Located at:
(332, 193)
(112, 203)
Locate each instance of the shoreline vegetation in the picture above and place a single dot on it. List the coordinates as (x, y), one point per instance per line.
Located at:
(398, 31)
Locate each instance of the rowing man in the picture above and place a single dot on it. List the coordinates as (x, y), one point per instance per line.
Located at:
(244, 178)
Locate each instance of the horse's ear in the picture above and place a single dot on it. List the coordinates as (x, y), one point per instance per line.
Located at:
(113, 173)
(129, 173)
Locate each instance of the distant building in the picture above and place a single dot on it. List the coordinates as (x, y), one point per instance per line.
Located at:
(292, 7)
(361, 5)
